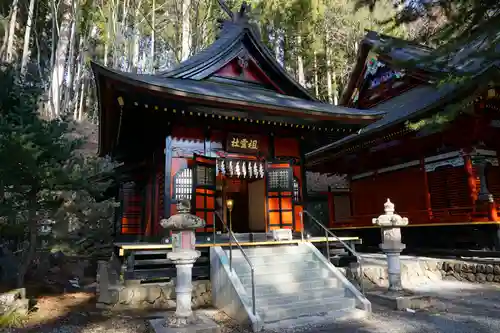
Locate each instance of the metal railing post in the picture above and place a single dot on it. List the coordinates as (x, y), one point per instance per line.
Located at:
(328, 232)
(230, 243)
(252, 268)
(328, 247)
(213, 227)
(301, 226)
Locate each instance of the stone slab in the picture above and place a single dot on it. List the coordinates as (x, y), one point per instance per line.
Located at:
(401, 300)
(203, 324)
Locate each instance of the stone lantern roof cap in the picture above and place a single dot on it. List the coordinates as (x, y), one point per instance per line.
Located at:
(183, 220)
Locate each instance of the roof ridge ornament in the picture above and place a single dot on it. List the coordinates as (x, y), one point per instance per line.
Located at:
(240, 16)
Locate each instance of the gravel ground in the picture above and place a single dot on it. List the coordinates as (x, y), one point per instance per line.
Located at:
(458, 308)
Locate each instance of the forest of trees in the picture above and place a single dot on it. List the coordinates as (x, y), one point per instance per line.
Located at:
(52, 41)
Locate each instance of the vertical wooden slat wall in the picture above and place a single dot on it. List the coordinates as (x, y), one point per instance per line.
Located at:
(131, 223)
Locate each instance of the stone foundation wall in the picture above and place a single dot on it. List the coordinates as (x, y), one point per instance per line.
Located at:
(113, 294)
(152, 296)
(471, 272)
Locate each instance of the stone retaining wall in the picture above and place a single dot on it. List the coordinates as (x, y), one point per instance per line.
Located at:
(471, 272)
(113, 294)
(152, 296)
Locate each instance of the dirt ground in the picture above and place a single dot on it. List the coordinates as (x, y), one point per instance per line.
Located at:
(76, 313)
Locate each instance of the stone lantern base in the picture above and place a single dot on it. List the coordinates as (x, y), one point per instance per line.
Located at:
(198, 324)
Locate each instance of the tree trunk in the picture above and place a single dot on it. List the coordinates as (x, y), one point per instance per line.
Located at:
(153, 16)
(12, 31)
(329, 89)
(27, 36)
(4, 40)
(316, 83)
(80, 103)
(300, 62)
(186, 21)
(335, 88)
(60, 61)
(29, 254)
(77, 89)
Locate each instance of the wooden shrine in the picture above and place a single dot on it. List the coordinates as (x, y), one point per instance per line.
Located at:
(445, 177)
(227, 123)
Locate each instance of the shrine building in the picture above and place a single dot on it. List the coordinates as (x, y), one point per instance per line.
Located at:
(444, 177)
(229, 123)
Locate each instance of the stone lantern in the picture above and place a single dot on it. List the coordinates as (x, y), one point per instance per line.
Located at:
(391, 245)
(183, 255)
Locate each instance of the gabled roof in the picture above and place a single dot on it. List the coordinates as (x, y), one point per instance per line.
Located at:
(460, 58)
(207, 90)
(412, 105)
(395, 49)
(397, 110)
(236, 38)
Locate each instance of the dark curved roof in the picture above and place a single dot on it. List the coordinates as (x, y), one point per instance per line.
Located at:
(230, 93)
(234, 38)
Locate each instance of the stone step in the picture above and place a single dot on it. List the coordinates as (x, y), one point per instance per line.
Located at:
(270, 258)
(275, 267)
(283, 289)
(309, 295)
(272, 250)
(285, 277)
(305, 308)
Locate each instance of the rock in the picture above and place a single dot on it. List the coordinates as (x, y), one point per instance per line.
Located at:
(471, 277)
(465, 268)
(480, 277)
(496, 269)
(457, 276)
(457, 267)
(489, 269)
(447, 266)
(473, 269)
(449, 278)
(497, 278)
(481, 268)
(490, 277)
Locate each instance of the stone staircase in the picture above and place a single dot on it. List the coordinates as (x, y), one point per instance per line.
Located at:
(295, 281)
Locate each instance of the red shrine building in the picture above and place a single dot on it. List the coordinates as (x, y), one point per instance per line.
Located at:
(227, 123)
(445, 179)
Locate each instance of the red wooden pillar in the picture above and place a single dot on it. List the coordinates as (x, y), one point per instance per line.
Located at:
(471, 179)
(428, 205)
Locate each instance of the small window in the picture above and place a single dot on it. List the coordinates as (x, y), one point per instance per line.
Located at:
(183, 184)
(296, 190)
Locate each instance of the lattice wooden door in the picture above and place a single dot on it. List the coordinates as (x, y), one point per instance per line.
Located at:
(279, 186)
(204, 186)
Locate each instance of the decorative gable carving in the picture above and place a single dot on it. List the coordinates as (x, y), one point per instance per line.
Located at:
(244, 67)
(318, 182)
(379, 82)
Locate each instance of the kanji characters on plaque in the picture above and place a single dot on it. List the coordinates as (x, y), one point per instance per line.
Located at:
(242, 143)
